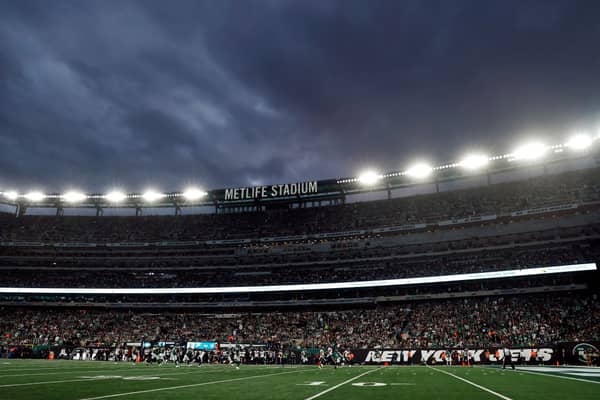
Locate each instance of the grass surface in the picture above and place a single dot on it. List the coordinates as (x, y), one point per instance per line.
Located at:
(76, 380)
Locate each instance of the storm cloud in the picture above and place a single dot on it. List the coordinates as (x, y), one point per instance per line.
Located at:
(97, 94)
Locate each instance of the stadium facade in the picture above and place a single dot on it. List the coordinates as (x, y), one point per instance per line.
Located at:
(479, 259)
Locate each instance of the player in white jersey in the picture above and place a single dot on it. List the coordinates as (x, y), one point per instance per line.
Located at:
(237, 358)
(200, 357)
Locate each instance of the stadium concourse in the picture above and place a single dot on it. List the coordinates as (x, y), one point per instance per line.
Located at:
(499, 275)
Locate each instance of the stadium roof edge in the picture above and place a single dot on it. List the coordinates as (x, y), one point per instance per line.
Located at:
(317, 190)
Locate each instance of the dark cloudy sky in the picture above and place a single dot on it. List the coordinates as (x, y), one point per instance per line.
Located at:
(96, 94)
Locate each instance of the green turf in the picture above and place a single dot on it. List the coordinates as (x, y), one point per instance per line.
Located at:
(74, 380)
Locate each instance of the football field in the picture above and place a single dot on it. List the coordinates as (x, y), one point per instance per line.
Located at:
(78, 380)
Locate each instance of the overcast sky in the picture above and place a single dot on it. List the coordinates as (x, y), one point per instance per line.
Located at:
(98, 94)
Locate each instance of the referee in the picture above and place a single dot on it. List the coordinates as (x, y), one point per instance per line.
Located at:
(507, 359)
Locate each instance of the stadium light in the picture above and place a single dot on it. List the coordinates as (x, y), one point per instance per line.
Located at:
(151, 195)
(115, 196)
(419, 171)
(35, 196)
(474, 161)
(73, 197)
(193, 194)
(11, 195)
(530, 151)
(580, 141)
(369, 178)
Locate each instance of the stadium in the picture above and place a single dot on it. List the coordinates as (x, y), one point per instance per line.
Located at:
(384, 283)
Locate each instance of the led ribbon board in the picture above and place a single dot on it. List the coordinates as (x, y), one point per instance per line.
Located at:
(512, 273)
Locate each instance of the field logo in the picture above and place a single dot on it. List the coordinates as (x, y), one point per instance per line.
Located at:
(369, 384)
(581, 349)
(315, 383)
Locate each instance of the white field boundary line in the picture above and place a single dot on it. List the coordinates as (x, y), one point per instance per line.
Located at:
(65, 367)
(80, 371)
(134, 369)
(88, 365)
(340, 384)
(473, 384)
(61, 367)
(558, 376)
(52, 382)
(149, 373)
(191, 385)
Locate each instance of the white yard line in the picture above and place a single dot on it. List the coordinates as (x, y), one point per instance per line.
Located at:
(51, 382)
(339, 384)
(192, 385)
(558, 376)
(472, 383)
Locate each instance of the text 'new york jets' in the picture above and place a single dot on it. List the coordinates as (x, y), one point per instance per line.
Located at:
(270, 191)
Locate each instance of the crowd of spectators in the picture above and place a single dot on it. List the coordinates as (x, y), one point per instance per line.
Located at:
(478, 321)
(571, 187)
(341, 271)
(469, 322)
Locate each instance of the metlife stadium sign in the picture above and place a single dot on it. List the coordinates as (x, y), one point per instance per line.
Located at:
(271, 191)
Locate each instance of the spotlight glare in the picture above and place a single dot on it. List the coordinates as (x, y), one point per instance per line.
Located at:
(73, 197)
(193, 194)
(579, 141)
(369, 177)
(530, 151)
(151, 195)
(474, 161)
(12, 195)
(419, 171)
(35, 196)
(115, 196)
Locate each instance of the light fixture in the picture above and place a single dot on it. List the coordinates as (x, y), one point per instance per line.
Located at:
(369, 177)
(474, 161)
(419, 171)
(73, 197)
(151, 195)
(193, 194)
(115, 196)
(11, 195)
(579, 141)
(35, 196)
(530, 151)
